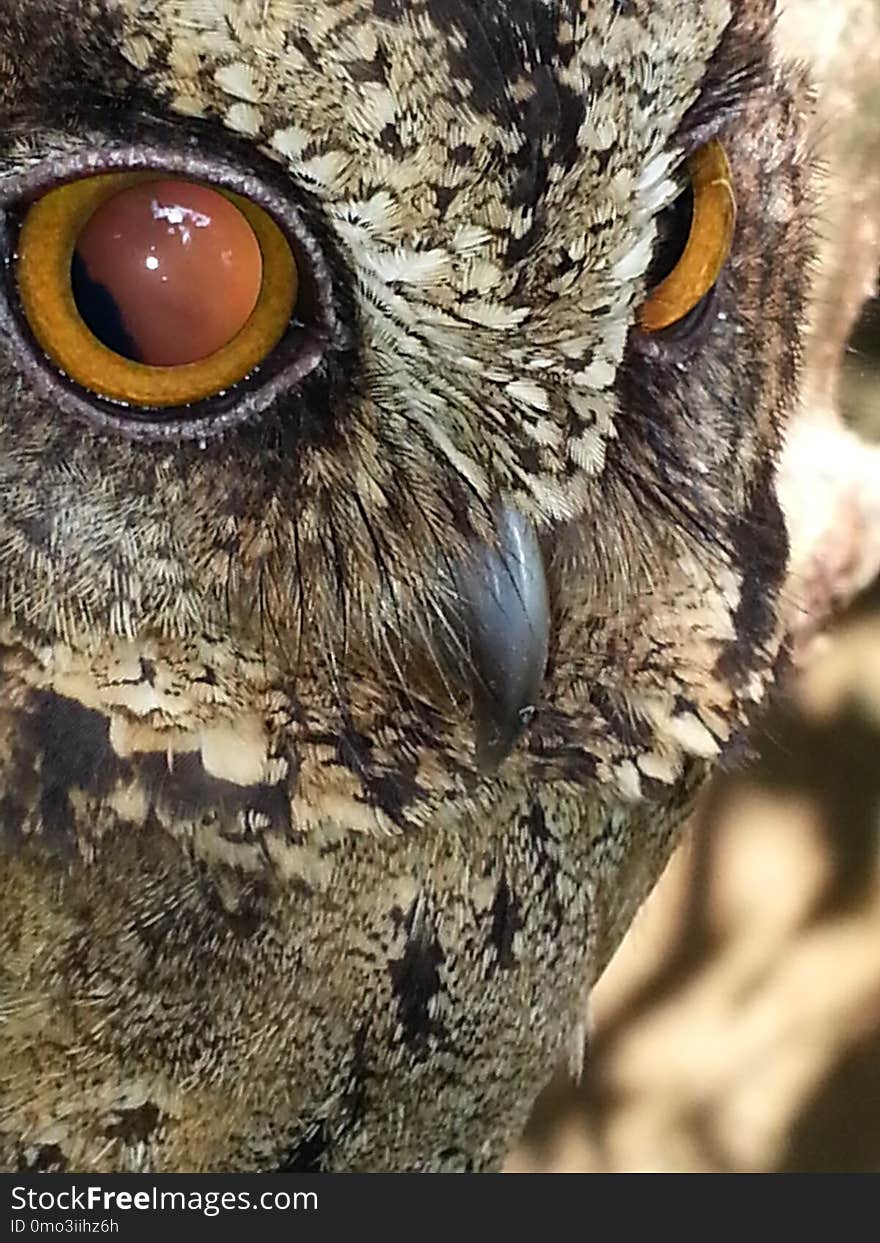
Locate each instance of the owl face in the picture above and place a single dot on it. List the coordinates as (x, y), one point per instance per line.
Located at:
(462, 507)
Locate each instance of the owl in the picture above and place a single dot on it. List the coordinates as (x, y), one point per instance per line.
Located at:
(389, 547)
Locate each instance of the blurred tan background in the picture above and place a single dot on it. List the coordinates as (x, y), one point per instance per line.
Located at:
(738, 1028)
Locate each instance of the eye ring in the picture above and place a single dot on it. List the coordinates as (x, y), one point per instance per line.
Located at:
(313, 330)
(49, 231)
(708, 244)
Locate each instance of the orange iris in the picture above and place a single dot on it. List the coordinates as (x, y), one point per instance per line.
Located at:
(708, 245)
(154, 291)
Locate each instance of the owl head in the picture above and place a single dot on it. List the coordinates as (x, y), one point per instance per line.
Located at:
(481, 471)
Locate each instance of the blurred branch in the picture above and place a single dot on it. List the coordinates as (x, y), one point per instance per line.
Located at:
(830, 478)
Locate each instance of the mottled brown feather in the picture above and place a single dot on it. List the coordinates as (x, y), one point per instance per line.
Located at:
(260, 910)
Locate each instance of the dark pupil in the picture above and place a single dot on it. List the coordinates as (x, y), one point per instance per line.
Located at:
(166, 272)
(673, 230)
(100, 311)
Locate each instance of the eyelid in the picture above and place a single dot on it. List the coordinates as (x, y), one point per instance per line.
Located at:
(299, 353)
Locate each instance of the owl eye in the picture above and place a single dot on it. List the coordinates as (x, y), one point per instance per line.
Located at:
(695, 239)
(154, 291)
(168, 289)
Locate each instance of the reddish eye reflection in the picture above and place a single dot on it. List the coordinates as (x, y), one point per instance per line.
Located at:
(167, 272)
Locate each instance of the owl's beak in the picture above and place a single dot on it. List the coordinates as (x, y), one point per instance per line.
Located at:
(506, 613)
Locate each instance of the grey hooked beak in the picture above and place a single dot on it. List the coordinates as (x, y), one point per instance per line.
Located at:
(505, 611)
